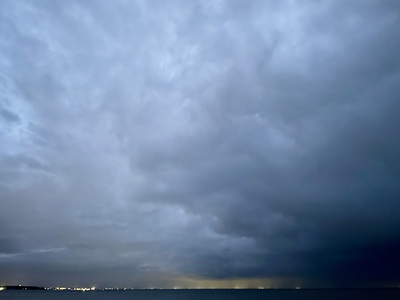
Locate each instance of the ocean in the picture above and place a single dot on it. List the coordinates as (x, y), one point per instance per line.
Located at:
(304, 294)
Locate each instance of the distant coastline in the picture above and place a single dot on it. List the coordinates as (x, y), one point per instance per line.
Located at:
(23, 287)
(40, 288)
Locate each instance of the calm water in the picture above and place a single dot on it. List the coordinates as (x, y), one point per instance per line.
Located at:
(383, 294)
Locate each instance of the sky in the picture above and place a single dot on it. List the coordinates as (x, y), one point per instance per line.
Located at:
(224, 143)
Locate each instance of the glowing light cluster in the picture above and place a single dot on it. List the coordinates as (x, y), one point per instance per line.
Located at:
(82, 289)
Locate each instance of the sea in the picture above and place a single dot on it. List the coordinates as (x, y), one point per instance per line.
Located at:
(270, 294)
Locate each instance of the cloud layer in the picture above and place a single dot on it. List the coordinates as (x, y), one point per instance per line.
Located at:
(163, 142)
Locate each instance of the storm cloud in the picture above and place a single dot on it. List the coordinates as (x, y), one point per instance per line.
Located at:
(195, 143)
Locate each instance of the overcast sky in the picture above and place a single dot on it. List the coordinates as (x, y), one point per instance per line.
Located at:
(200, 143)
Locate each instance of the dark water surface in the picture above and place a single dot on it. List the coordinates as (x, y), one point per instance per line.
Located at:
(342, 294)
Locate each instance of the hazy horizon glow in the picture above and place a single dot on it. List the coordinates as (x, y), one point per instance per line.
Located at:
(179, 143)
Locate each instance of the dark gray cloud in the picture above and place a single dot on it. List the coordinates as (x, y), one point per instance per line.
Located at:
(187, 142)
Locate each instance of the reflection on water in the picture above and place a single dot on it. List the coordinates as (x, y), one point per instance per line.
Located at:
(342, 294)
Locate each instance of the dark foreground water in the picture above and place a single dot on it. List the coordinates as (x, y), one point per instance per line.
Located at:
(342, 294)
